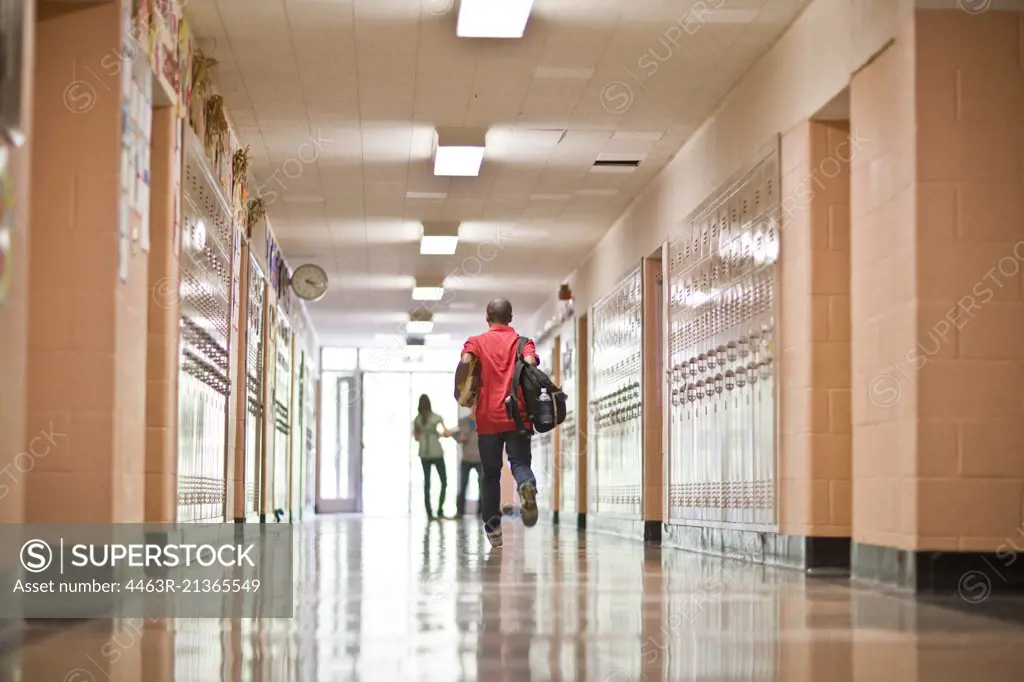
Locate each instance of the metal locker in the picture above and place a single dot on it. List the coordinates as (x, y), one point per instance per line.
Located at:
(567, 432)
(722, 270)
(254, 389)
(615, 455)
(204, 385)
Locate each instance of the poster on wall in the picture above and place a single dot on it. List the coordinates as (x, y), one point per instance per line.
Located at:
(12, 24)
(6, 223)
(127, 170)
(236, 281)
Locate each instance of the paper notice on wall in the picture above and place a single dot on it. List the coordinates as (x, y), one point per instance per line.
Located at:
(124, 242)
(144, 195)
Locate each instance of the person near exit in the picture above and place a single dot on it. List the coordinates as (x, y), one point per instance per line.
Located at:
(482, 379)
(425, 431)
(469, 460)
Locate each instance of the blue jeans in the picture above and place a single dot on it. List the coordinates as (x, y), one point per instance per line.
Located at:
(519, 460)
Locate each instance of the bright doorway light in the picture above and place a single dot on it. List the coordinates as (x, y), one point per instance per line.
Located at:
(438, 339)
(493, 18)
(419, 327)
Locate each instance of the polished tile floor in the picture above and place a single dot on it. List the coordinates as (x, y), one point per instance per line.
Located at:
(399, 599)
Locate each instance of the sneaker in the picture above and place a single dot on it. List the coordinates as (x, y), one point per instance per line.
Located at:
(494, 537)
(528, 504)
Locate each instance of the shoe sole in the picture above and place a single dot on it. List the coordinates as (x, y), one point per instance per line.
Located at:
(495, 542)
(528, 498)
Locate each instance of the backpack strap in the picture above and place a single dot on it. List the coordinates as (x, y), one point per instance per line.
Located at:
(512, 398)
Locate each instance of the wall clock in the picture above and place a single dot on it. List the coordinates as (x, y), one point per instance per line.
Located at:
(309, 282)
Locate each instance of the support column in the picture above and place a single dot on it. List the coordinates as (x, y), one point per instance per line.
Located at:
(164, 321)
(234, 436)
(16, 445)
(266, 494)
(653, 382)
(938, 240)
(582, 419)
(816, 440)
(87, 317)
(556, 438)
(87, 327)
(237, 475)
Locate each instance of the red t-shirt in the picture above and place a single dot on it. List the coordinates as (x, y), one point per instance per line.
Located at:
(496, 351)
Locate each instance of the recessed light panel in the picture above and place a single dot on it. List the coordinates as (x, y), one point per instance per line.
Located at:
(459, 152)
(457, 162)
(439, 239)
(438, 246)
(493, 18)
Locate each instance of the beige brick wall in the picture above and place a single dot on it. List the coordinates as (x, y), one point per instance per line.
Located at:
(883, 305)
(14, 441)
(938, 224)
(86, 330)
(970, 235)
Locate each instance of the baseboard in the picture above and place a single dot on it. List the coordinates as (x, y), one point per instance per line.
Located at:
(971, 575)
(554, 517)
(652, 532)
(817, 555)
(18, 633)
(581, 521)
(622, 526)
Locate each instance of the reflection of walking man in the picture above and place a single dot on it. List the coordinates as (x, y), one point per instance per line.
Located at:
(470, 460)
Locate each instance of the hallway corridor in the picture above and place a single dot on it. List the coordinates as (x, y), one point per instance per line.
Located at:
(397, 599)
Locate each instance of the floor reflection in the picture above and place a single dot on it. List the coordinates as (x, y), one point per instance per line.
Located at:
(400, 599)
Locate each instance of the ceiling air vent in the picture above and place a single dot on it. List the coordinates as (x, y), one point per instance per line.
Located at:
(617, 163)
(415, 341)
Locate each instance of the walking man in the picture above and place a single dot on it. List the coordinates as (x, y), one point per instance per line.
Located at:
(482, 379)
(470, 460)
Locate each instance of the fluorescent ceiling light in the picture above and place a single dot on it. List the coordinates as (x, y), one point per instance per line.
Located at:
(463, 162)
(419, 327)
(439, 239)
(427, 293)
(426, 195)
(459, 152)
(438, 246)
(493, 18)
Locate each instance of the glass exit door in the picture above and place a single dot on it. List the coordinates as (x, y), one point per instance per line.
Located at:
(392, 473)
(340, 461)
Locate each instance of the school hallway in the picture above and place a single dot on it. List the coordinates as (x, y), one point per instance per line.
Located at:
(266, 263)
(400, 599)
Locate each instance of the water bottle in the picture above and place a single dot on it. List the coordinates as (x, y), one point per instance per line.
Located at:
(545, 410)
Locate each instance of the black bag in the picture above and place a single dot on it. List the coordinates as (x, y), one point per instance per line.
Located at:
(530, 379)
